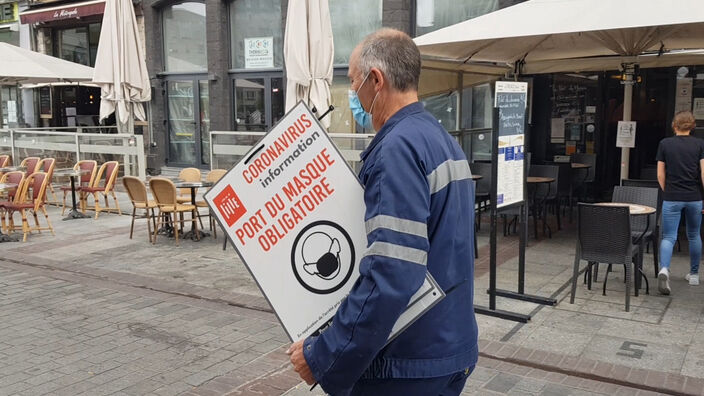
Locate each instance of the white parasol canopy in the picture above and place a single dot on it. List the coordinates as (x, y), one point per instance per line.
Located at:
(22, 66)
(549, 36)
(120, 68)
(308, 54)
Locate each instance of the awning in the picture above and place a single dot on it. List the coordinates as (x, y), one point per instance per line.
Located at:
(66, 11)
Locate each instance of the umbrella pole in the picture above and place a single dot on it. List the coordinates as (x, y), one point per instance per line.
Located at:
(627, 108)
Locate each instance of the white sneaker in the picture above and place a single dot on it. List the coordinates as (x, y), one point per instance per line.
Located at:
(664, 281)
(693, 279)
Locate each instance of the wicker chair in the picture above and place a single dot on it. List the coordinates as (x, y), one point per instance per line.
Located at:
(213, 176)
(604, 236)
(32, 165)
(137, 192)
(38, 181)
(15, 177)
(109, 170)
(86, 180)
(47, 165)
(648, 197)
(4, 160)
(164, 192)
(188, 175)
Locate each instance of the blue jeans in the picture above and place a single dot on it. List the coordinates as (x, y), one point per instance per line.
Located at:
(671, 213)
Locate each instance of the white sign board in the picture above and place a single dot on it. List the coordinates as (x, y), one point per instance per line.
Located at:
(698, 109)
(683, 95)
(294, 211)
(511, 99)
(626, 134)
(258, 52)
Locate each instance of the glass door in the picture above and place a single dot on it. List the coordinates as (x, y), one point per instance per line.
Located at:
(188, 122)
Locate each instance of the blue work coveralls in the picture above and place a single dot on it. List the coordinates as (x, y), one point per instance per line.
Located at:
(419, 217)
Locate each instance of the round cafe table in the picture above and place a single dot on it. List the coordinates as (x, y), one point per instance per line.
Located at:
(72, 174)
(637, 210)
(6, 187)
(194, 234)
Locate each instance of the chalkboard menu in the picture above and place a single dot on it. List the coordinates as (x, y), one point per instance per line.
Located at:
(45, 102)
(509, 141)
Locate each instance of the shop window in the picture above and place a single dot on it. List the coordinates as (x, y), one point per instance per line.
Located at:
(259, 101)
(10, 36)
(256, 34)
(79, 45)
(184, 37)
(432, 15)
(341, 120)
(351, 22)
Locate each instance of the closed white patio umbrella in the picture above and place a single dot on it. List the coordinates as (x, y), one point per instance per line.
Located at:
(120, 68)
(549, 36)
(308, 55)
(22, 66)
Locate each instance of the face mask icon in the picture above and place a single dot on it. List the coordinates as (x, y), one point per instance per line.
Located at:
(321, 255)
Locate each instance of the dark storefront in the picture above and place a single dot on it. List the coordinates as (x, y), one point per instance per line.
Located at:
(203, 78)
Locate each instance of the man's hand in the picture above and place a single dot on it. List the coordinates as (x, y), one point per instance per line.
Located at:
(295, 351)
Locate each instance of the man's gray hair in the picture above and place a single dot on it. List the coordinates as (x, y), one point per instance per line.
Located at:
(395, 54)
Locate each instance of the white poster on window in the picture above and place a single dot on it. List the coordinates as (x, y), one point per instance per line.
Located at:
(698, 108)
(683, 95)
(258, 52)
(557, 130)
(11, 111)
(626, 134)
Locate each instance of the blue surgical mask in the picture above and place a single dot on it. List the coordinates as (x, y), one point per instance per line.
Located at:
(363, 118)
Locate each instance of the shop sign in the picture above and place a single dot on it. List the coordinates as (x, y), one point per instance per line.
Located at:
(69, 11)
(8, 13)
(258, 52)
(294, 211)
(626, 134)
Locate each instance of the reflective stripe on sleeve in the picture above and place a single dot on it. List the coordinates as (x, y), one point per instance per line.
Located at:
(397, 224)
(448, 172)
(399, 252)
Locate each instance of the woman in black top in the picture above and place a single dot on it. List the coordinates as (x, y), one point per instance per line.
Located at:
(680, 174)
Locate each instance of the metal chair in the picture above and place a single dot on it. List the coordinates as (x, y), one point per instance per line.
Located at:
(581, 182)
(604, 236)
(482, 193)
(544, 193)
(642, 196)
(137, 192)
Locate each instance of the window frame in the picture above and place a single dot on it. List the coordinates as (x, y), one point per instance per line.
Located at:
(162, 6)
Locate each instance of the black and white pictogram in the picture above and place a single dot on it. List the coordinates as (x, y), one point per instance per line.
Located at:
(322, 257)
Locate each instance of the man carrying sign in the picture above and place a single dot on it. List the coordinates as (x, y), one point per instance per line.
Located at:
(419, 201)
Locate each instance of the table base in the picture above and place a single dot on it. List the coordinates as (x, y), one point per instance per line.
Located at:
(8, 238)
(192, 235)
(75, 214)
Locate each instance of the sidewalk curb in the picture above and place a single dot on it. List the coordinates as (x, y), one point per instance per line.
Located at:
(644, 379)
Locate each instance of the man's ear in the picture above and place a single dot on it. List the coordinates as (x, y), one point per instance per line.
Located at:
(379, 80)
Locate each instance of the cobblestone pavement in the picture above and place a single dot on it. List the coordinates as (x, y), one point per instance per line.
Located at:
(91, 311)
(62, 334)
